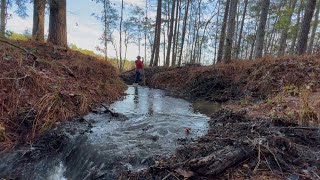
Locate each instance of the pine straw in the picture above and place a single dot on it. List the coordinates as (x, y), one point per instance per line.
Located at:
(37, 94)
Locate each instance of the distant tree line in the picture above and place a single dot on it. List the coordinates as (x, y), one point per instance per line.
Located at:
(190, 31)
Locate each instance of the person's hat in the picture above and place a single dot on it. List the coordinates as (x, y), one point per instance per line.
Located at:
(138, 57)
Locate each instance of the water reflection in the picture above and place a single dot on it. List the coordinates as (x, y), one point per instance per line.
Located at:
(136, 97)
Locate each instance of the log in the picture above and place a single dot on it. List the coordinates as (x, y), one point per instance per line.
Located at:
(217, 162)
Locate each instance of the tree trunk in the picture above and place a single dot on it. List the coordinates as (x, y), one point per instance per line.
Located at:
(58, 23)
(3, 21)
(145, 33)
(158, 24)
(184, 30)
(223, 32)
(296, 30)
(38, 19)
(314, 29)
(216, 35)
(231, 28)
(173, 8)
(105, 9)
(261, 28)
(241, 28)
(284, 33)
(175, 35)
(305, 27)
(120, 33)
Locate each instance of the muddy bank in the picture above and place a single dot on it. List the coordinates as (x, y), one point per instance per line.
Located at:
(42, 86)
(238, 146)
(235, 81)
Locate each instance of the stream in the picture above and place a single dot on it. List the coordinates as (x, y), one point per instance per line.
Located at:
(150, 125)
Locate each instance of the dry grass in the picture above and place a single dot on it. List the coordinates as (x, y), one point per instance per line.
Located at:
(37, 94)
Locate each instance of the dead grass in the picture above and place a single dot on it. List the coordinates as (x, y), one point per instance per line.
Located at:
(35, 95)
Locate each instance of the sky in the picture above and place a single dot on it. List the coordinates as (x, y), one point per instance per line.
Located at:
(83, 29)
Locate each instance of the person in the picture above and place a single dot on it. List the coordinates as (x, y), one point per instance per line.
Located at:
(139, 68)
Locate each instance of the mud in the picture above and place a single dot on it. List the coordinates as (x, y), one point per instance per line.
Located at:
(239, 147)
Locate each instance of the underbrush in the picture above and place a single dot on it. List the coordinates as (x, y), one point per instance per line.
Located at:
(42, 85)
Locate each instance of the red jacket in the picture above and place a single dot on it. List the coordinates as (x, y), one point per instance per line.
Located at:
(139, 64)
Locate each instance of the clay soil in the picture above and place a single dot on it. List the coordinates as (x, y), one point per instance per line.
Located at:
(42, 85)
(268, 128)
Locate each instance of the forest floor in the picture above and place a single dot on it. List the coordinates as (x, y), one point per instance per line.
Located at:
(268, 127)
(42, 85)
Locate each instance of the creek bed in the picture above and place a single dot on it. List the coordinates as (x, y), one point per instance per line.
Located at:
(154, 126)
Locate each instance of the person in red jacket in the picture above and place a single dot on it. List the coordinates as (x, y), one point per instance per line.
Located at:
(139, 67)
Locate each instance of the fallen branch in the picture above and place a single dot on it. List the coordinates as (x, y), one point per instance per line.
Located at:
(21, 48)
(70, 72)
(217, 162)
(15, 78)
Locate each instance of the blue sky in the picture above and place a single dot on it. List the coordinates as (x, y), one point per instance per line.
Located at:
(84, 30)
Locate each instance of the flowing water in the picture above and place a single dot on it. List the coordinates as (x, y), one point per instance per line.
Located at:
(154, 126)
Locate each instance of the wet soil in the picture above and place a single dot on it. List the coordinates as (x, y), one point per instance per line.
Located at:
(240, 147)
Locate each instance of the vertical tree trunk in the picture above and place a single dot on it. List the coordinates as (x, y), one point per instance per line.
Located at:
(241, 28)
(184, 30)
(38, 19)
(173, 8)
(105, 9)
(158, 24)
(261, 28)
(314, 29)
(284, 32)
(174, 49)
(164, 44)
(230, 33)
(216, 34)
(145, 32)
(120, 33)
(3, 21)
(223, 32)
(58, 23)
(305, 27)
(154, 45)
(296, 30)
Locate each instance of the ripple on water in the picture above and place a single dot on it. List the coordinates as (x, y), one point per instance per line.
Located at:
(155, 124)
